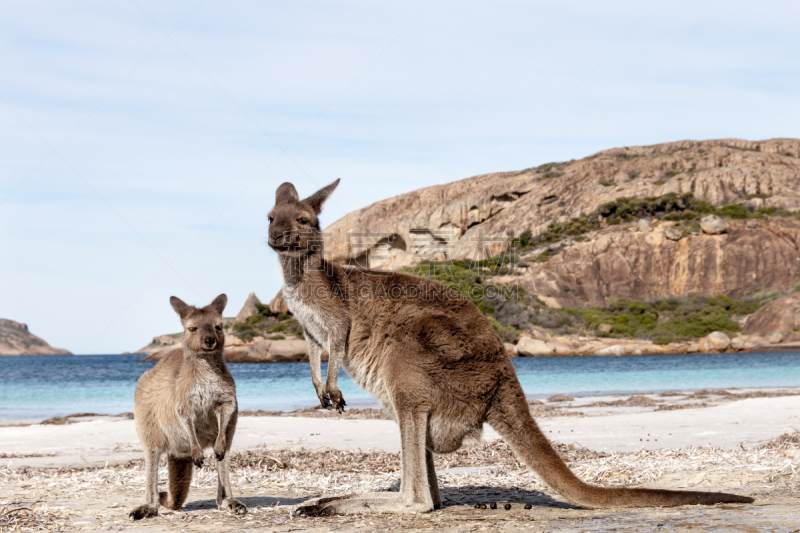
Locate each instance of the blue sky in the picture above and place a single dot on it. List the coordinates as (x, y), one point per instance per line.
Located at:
(141, 143)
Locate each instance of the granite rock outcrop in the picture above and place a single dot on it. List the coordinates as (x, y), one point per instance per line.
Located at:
(478, 217)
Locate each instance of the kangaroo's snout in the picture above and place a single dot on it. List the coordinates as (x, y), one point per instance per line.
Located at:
(276, 235)
(210, 342)
(283, 239)
(277, 239)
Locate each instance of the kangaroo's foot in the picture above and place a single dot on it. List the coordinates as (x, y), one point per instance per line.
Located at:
(373, 502)
(143, 511)
(231, 504)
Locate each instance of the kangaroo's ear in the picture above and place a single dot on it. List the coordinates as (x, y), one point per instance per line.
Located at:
(180, 307)
(218, 304)
(286, 192)
(317, 200)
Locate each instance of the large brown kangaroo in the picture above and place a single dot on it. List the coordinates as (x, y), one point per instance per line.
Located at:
(186, 403)
(431, 358)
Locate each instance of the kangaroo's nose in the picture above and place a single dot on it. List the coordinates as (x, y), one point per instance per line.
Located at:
(210, 342)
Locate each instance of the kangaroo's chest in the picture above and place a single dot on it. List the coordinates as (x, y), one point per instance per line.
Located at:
(206, 393)
(202, 392)
(308, 315)
(204, 398)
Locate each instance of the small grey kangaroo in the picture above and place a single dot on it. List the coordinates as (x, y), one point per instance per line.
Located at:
(431, 358)
(184, 404)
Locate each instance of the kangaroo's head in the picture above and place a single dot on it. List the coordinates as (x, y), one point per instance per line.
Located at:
(293, 223)
(202, 328)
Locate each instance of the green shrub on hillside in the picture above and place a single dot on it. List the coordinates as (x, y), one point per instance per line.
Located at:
(628, 209)
(510, 310)
(264, 323)
(669, 206)
(557, 231)
(670, 319)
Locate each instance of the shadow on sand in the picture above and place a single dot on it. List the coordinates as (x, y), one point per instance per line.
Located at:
(479, 494)
(249, 501)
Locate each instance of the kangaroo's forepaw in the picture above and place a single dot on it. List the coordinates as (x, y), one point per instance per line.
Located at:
(197, 459)
(338, 400)
(325, 402)
(322, 394)
(219, 453)
(143, 511)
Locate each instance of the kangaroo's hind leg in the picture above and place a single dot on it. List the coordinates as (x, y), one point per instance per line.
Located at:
(433, 481)
(416, 496)
(150, 507)
(180, 477)
(227, 416)
(225, 499)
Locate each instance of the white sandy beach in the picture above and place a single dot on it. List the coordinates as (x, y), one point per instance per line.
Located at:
(97, 440)
(86, 475)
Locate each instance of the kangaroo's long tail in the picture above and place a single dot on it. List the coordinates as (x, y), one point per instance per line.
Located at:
(511, 418)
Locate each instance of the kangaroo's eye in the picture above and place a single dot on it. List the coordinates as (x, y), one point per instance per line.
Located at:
(270, 219)
(219, 328)
(302, 220)
(193, 329)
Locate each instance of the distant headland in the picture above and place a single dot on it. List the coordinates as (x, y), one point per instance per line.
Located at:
(15, 339)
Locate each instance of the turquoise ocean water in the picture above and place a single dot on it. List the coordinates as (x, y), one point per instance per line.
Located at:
(41, 387)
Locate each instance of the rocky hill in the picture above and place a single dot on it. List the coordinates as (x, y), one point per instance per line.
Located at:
(651, 261)
(480, 217)
(15, 339)
(613, 233)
